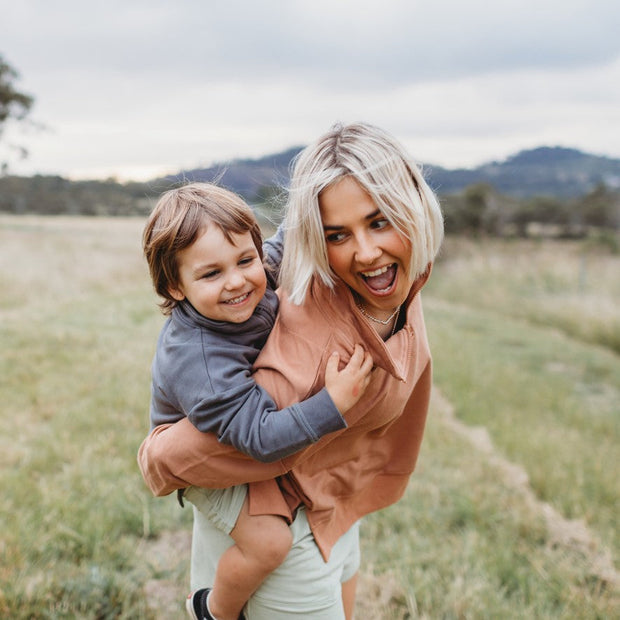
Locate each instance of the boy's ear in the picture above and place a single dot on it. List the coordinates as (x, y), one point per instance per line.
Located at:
(176, 294)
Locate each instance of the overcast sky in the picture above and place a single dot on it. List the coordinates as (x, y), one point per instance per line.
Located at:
(134, 88)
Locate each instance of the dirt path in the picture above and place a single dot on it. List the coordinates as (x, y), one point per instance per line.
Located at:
(567, 533)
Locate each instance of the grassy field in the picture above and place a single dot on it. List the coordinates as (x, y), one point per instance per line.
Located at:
(513, 510)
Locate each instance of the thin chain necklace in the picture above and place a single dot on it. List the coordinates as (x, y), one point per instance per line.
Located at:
(374, 318)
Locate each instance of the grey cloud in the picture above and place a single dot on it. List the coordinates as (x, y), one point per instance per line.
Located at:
(392, 42)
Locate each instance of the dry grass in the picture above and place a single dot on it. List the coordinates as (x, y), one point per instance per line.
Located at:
(572, 286)
(47, 262)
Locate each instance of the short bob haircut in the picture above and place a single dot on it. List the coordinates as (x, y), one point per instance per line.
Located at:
(178, 218)
(385, 171)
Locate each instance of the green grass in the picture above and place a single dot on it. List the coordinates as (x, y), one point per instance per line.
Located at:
(83, 538)
(550, 403)
(570, 286)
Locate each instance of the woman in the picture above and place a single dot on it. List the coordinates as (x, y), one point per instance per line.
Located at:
(363, 229)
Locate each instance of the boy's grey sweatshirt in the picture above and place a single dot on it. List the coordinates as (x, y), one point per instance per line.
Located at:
(202, 369)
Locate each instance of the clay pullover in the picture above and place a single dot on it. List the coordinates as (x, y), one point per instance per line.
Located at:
(345, 475)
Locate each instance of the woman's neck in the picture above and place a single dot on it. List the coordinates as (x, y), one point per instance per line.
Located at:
(384, 324)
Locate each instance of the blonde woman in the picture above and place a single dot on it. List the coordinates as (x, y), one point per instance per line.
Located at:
(363, 229)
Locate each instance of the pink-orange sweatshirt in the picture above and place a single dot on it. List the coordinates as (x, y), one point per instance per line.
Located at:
(345, 475)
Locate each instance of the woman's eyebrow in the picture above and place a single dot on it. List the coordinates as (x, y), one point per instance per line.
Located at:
(370, 216)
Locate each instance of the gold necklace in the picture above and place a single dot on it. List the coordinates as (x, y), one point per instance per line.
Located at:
(374, 318)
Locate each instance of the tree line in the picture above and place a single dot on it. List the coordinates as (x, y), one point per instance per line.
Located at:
(478, 210)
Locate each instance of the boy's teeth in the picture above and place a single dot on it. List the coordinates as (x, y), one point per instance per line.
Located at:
(236, 300)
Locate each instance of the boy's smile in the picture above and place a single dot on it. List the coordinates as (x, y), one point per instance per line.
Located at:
(223, 281)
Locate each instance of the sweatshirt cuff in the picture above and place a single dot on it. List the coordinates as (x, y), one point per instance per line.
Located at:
(325, 417)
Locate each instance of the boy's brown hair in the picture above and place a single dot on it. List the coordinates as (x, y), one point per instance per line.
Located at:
(178, 218)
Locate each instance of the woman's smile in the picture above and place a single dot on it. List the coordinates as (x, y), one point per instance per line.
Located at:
(380, 281)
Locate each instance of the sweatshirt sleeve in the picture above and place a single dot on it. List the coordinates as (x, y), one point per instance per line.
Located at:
(224, 399)
(267, 434)
(273, 249)
(174, 456)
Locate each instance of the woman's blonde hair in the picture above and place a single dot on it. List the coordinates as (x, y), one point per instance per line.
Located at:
(385, 171)
(179, 216)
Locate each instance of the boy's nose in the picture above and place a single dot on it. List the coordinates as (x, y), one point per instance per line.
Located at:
(235, 279)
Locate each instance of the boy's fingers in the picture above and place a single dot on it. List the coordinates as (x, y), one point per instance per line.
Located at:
(357, 354)
(332, 362)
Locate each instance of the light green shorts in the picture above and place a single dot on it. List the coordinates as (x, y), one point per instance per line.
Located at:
(304, 586)
(220, 506)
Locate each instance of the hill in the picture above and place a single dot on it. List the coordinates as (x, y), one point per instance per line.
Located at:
(251, 178)
(545, 171)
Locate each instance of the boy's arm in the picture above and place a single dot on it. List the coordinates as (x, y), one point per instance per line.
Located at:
(174, 456)
(218, 395)
(272, 253)
(247, 418)
(270, 434)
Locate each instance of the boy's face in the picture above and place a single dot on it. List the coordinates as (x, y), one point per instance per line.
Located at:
(223, 281)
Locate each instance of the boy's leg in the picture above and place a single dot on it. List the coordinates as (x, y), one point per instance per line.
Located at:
(261, 544)
(304, 586)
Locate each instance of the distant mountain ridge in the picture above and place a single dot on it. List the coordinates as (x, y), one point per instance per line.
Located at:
(552, 171)
(544, 171)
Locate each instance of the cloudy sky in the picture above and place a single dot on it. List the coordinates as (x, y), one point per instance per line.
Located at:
(134, 88)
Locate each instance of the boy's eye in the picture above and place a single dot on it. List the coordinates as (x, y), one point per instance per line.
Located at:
(247, 260)
(210, 274)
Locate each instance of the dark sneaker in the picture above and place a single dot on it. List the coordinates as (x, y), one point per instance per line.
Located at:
(196, 604)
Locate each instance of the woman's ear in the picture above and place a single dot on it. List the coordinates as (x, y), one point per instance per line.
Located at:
(176, 294)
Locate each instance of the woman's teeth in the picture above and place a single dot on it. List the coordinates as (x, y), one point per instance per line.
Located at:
(381, 279)
(376, 272)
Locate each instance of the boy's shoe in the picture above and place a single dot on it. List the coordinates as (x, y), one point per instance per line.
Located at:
(196, 604)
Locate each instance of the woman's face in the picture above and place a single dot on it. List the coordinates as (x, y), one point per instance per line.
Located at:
(363, 248)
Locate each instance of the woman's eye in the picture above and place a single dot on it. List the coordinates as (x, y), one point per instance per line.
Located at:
(380, 223)
(335, 237)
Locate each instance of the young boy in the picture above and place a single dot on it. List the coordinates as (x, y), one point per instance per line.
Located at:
(204, 249)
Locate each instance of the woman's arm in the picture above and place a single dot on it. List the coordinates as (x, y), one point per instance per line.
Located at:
(175, 456)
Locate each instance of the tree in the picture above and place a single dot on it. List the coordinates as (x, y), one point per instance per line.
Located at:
(13, 103)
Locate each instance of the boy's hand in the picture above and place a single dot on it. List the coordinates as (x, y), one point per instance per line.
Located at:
(346, 386)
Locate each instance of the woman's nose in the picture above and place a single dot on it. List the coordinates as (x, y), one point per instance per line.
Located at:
(367, 250)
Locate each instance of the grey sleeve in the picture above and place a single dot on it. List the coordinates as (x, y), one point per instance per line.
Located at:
(248, 419)
(273, 248)
(220, 396)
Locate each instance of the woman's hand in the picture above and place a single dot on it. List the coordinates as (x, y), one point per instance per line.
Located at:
(346, 386)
